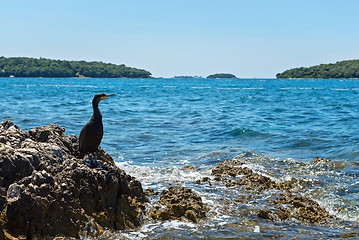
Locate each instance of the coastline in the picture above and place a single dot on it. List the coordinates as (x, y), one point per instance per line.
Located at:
(60, 173)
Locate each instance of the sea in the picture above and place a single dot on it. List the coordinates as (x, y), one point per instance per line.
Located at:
(154, 127)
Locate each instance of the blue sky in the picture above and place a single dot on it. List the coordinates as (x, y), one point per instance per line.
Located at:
(253, 38)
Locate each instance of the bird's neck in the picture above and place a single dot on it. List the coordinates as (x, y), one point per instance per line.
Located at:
(96, 111)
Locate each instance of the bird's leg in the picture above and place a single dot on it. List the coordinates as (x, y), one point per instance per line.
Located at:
(92, 157)
(97, 153)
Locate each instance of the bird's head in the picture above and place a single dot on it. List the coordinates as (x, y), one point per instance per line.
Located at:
(98, 97)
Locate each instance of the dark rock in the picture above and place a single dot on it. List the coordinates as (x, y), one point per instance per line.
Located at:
(204, 180)
(150, 192)
(180, 202)
(8, 125)
(273, 214)
(46, 191)
(197, 182)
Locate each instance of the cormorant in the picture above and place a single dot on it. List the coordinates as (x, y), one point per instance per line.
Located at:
(91, 134)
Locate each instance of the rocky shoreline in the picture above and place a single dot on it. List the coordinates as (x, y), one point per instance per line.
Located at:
(46, 191)
(283, 201)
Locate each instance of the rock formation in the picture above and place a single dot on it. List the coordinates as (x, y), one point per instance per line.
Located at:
(284, 203)
(46, 191)
(178, 203)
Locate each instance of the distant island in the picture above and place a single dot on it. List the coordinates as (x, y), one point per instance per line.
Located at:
(32, 67)
(187, 77)
(222, 75)
(343, 69)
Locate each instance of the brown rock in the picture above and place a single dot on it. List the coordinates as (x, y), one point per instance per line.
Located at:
(188, 167)
(283, 204)
(46, 191)
(150, 192)
(320, 160)
(180, 202)
(273, 214)
(233, 174)
(303, 209)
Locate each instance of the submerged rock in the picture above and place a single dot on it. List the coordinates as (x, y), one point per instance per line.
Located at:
(233, 174)
(46, 191)
(283, 202)
(178, 203)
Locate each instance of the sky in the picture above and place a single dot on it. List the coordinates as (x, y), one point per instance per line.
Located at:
(250, 39)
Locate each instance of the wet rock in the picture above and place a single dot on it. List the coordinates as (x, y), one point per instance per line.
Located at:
(229, 168)
(178, 203)
(320, 160)
(302, 208)
(150, 192)
(188, 167)
(273, 214)
(45, 190)
(204, 180)
(233, 174)
(282, 204)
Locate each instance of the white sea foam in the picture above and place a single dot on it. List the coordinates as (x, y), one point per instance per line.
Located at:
(69, 85)
(147, 86)
(176, 224)
(160, 176)
(257, 229)
(200, 87)
(339, 207)
(259, 88)
(228, 88)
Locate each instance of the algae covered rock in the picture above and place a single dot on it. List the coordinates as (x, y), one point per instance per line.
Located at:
(46, 191)
(283, 201)
(233, 174)
(178, 203)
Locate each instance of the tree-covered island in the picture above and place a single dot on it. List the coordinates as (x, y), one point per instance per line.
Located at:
(222, 75)
(343, 69)
(32, 67)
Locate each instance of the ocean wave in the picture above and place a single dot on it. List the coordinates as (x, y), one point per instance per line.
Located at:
(324, 183)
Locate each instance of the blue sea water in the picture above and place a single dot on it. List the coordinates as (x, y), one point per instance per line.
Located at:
(153, 127)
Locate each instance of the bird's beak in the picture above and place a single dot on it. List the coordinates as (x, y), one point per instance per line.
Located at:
(102, 98)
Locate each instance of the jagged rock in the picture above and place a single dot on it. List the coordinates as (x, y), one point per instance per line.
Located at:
(45, 190)
(283, 204)
(179, 202)
(301, 208)
(228, 171)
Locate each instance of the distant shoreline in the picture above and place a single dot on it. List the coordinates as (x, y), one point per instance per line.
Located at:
(203, 78)
(340, 70)
(47, 68)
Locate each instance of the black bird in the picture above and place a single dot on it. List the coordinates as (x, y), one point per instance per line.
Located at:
(91, 134)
